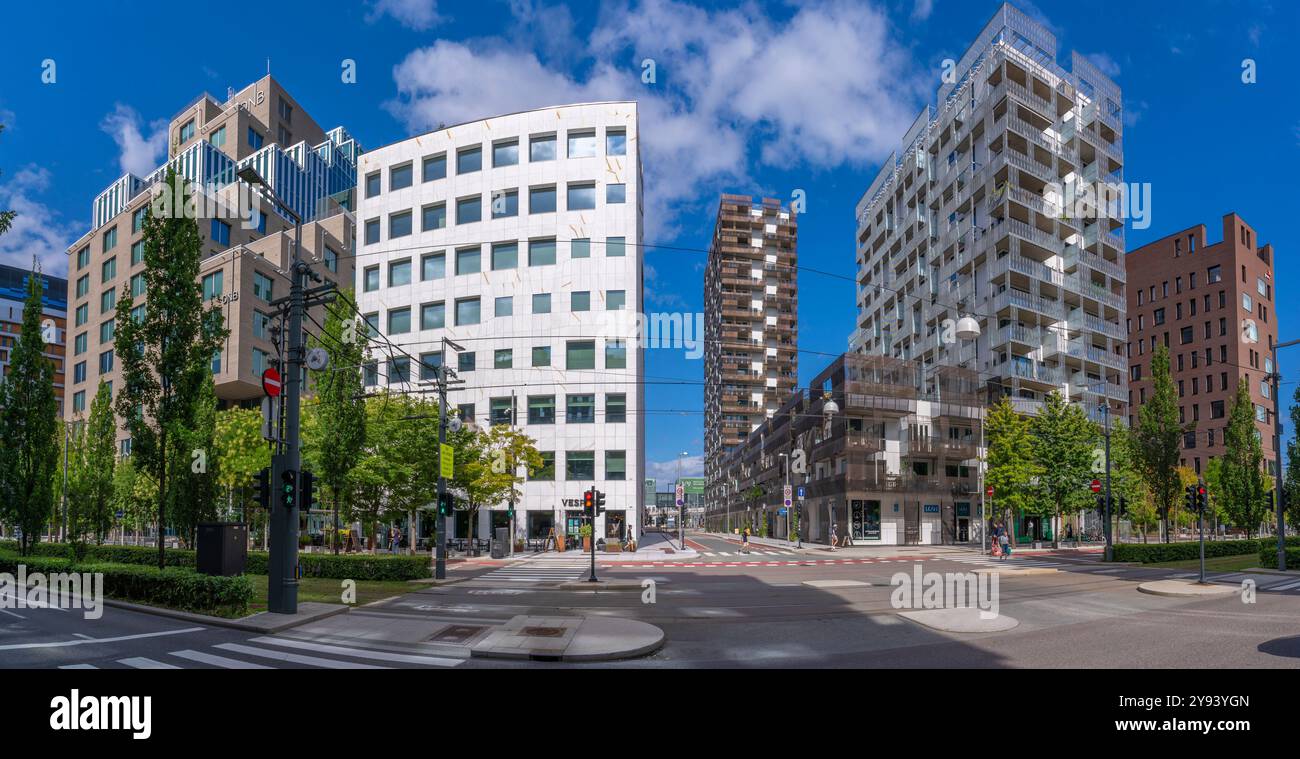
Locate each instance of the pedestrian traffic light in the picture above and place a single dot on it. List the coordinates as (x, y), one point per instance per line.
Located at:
(289, 488)
(1123, 506)
(307, 490)
(589, 503)
(445, 505)
(1101, 506)
(262, 481)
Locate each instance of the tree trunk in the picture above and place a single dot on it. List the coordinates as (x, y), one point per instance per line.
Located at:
(162, 495)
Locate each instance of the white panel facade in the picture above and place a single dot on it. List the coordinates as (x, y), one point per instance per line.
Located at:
(607, 271)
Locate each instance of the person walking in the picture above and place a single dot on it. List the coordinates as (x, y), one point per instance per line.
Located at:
(744, 540)
(1005, 543)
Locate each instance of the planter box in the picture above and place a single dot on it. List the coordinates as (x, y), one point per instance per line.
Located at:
(613, 548)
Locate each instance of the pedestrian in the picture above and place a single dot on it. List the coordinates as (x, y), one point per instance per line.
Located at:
(395, 539)
(1005, 543)
(744, 541)
(835, 539)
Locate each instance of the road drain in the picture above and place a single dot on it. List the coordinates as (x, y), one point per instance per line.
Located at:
(543, 632)
(456, 634)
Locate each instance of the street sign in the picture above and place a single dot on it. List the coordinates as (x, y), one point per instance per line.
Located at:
(270, 419)
(446, 460)
(780, 512)
(1096, 486)
(271, 382)
(989, 491)
(800, 492)
(787, 491)
(681, 494)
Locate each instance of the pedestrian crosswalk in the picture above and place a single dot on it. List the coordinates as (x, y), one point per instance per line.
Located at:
(271, 652)
(559, 569)
(752, 552)
(1011, 561)
(1270, 583)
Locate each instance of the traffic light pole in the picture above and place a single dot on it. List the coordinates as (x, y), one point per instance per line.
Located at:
(282, 584)
(592, 516)
(440, 560)
(1109, 546)
(1276, 378)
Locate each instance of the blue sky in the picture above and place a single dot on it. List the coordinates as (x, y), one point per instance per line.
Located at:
(758, 98)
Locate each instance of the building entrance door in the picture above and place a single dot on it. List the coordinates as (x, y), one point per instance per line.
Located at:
(963, 529)
(911, 524)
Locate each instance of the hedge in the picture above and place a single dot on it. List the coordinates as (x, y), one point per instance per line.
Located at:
(1268, 552)
(1152, 553)
(173, 587)
(322, 565)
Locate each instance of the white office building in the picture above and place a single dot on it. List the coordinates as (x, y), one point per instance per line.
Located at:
(518, 237)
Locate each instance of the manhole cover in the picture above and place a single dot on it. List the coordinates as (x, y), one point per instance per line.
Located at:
(456, 634)
(543, 632)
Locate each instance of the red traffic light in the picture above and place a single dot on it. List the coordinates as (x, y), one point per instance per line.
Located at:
(588, 500)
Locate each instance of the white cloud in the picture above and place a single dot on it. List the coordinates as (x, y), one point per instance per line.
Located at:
(668, 471)
(37, 230)
(1105, 64)
(138, 154)
(825, 87)
(922, 10)
(416, 14)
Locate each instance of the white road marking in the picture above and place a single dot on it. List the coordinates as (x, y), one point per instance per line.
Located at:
(218, 661)
(294, 658)
(62, 643)
(434, 661)
(78, 666)
(141, 662)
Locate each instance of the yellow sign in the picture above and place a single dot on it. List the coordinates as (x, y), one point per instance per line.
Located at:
(446, 460)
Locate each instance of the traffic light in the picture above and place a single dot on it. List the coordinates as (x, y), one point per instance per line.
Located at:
(1189, 497)
(589, 503)
(307, 486)
(510, 512)
(263, 484)
(445, 507)
(1123, 506)
(600, 501)
(1101, 506)
(289, 488)
(1202, 499)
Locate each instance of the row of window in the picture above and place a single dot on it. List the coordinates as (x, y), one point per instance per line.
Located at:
(505, 152)
(581, 466)
(579, 355)
(468, 310)
(504, 204)
(469, 260)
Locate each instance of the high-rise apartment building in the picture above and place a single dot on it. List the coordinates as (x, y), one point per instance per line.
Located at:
(983, 214)
(751, 363)
(1214, 306)
(247, 243)
(54, 309)
(518, 238)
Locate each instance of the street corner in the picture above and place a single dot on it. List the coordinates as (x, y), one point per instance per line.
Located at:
(961, 620)
(570, 639)
(1186, 589)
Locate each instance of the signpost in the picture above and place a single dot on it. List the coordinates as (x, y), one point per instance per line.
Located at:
(1095, 486)
(271, 382)
(446, 460)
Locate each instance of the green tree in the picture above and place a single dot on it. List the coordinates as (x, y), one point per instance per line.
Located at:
(241, 453)
(29, 427)
(6, 217)
(333, 440)
(487, 472)
(1065, 441)
(134, 494)
(1241, 472)
(195, 489)
(1159, 438)
(1291, 478)
(1126, 483)
(99, 460)
(1012, 469)
(166, 354)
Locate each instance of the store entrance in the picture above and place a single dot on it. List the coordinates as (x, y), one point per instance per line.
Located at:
(864, 520)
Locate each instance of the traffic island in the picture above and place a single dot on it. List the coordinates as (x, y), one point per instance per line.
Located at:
(262, 622)
(623, 586)
(569, 639)
(1187, 589)
(961, 620)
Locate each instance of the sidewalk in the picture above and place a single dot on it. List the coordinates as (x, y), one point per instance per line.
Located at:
(653, 547)
(877, 551)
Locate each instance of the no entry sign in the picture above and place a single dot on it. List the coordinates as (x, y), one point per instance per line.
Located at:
(1096, 486)
(271, 382)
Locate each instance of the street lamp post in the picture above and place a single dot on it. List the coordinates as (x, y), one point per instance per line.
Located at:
(1105, 410)
(968, 329)
(681, 509)
(829, 409)
(1276, 378)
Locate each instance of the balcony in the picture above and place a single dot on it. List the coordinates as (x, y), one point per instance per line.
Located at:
(1104, 357)
(1024, 301)
(1035, 235)
(1036, 372)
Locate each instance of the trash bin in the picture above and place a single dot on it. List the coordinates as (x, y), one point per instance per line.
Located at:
(500, 542)
(222, 548)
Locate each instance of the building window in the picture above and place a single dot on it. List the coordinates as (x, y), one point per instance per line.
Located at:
(399, 273)
(615, 247)
(373, 184)
(580, 354)
(83, 257)
(465, 362)
(263, 286)
(435, 167)
(187, 131)
(371, 374)
(399, 369)
(138, 216)
(137, 285)
(469, 210)
(400, 177)
(615, 300)
(370, 279)
(467, 311)
(254, 139)
(505, 256)
(582, 144)
(429, 364)
(469, 160)
(106, 331)
(541, 355)
(505, 153)
(469, 261)
(500, 411)
(579, 465)
(541, 252)
(541, 303)
(83, 285)
(331, 260)
(433, 266)
(615, 465)
(616, 408)
(1246, 303)
(541, 148)
(212, 285)
(79, 401)
(615, 354)
(284, 136)
(108, 270)
(503, 358)
(580, 248)
(541, 199)
(582, 197)
(541, 409)
(79, 372)
(615, 142)
(615, 193)
(261, 325)
(505, 203)
(546, 472)
(580, 409)
(505, 306)
(433, 315)
(399, 321)
(372, 231)
(80, 343)
(1159, 316)
(399, 225)
(1216, 409)
(433, 217)
(580, 301)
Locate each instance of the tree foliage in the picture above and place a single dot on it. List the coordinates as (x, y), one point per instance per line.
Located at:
(1159, 437)
(1064, 444)
(1241, 472)
(1013, 470)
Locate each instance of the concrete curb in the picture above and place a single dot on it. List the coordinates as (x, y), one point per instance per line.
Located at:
(1016, 571)
(964, 620)
(263, 621)
(1186, 589)
(602, 585)
(570, 639)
